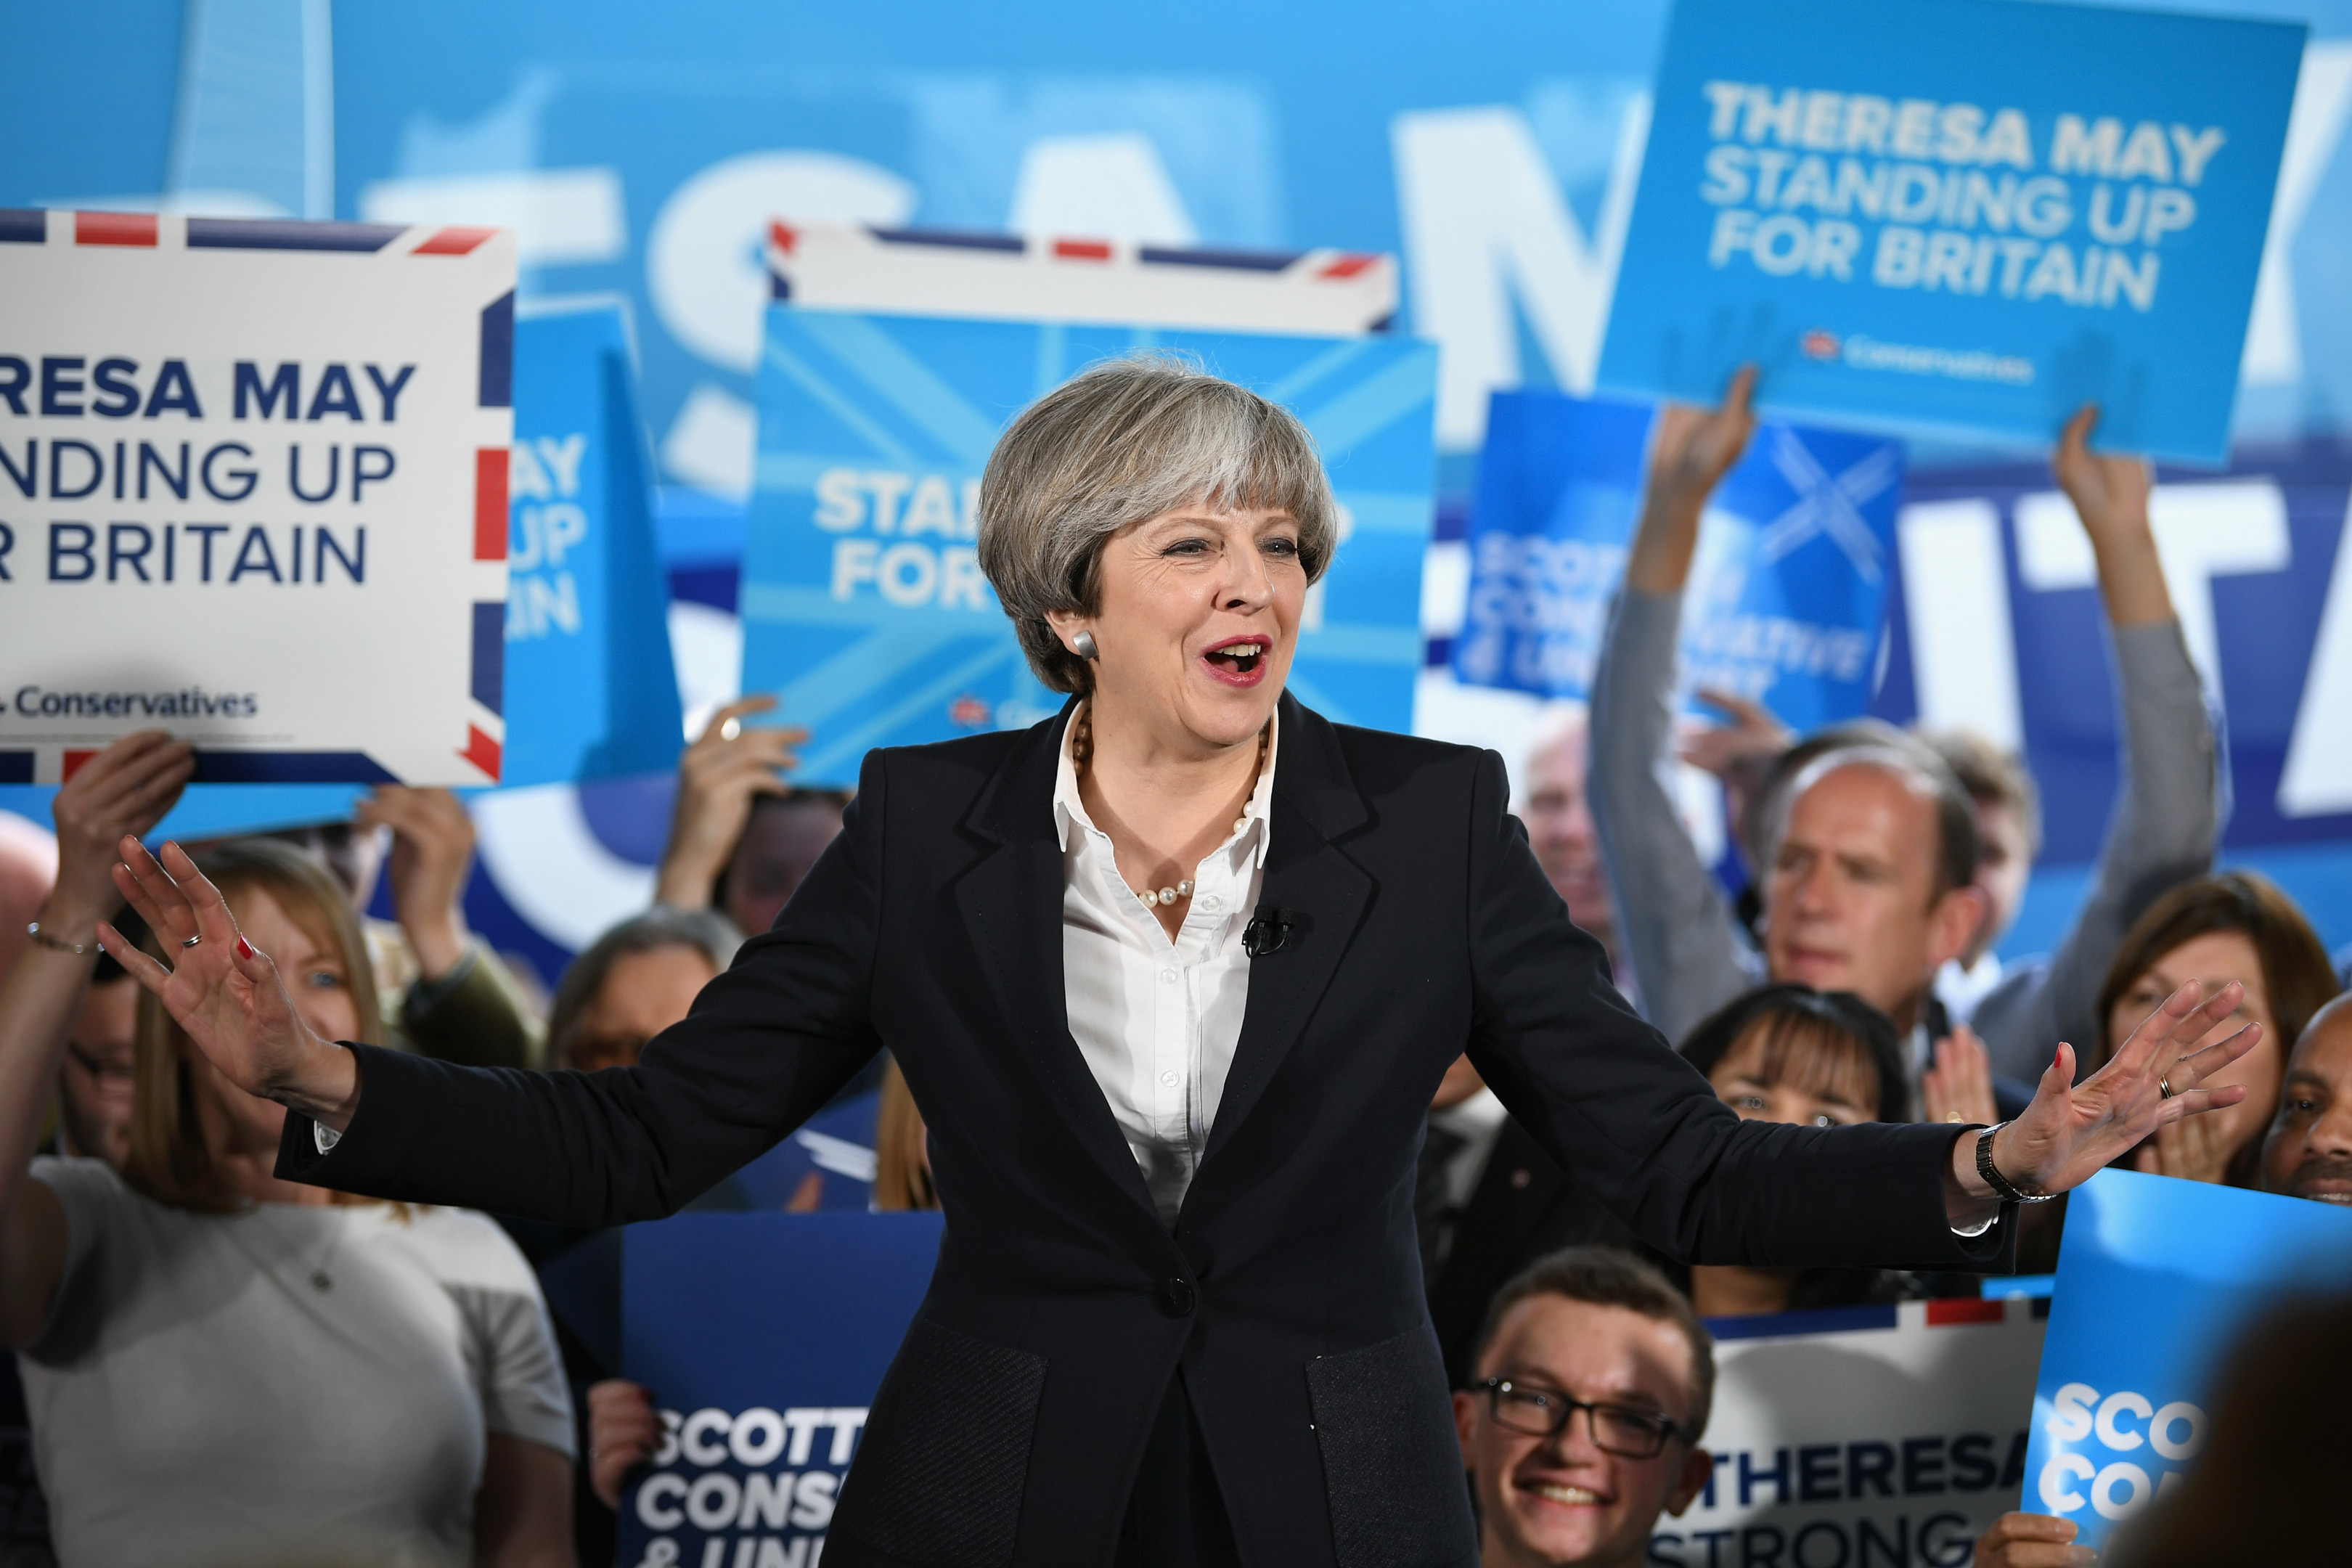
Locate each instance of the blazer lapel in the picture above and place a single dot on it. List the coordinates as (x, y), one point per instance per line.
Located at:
(1321, 890)
(1011, 901)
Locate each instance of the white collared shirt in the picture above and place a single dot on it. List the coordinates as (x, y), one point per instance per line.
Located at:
(1158, 1020)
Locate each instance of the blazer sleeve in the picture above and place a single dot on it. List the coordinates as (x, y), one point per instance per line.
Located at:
(1639, 1128)
(766, 1046)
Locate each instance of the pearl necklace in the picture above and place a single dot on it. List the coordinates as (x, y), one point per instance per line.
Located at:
(1082, 751)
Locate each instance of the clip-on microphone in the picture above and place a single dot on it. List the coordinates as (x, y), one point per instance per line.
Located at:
(1270, 930)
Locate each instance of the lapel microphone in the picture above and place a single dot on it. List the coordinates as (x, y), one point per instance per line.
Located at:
(1271, 930)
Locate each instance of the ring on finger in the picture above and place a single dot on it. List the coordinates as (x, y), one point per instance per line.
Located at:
(2164, 1086)
(191, 942)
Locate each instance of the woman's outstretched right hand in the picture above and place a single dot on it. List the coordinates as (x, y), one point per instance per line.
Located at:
(226, 993)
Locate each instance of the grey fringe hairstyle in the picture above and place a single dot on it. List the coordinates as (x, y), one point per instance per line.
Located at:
(1122, 442)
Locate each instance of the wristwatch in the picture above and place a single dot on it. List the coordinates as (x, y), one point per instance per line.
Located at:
(2008, 1191)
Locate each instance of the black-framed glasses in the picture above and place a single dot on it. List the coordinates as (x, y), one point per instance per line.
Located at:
(1619, 1429)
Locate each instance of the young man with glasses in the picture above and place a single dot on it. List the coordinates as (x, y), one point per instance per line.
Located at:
(1592, 1382)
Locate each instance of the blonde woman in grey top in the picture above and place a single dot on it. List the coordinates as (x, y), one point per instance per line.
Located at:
(222, 1368)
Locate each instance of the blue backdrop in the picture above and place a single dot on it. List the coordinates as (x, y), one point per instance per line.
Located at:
(1493, 144)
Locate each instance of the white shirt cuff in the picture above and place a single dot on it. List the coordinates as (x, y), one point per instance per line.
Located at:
(1968, 1234)
(326, 1138)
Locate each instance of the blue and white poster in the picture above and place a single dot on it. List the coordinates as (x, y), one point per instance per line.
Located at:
(591, 690)
(1874, 1435)
(864, 607)
(1964, 216)
(2157, 1278)
(1787, 593)
(762, 1338)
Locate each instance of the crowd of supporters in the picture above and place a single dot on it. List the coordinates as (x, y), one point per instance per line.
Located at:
(260, 1371)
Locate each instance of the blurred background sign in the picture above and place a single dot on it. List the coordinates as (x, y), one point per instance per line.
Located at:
(1788, 590)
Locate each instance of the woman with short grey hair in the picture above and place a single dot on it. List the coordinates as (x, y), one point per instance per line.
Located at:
(1172, 977)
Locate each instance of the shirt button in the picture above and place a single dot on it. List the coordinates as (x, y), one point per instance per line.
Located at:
(1169, 975)
(1209, 902)
(1169, 1079)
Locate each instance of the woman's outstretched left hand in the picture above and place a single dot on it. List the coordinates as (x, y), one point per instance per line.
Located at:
(2073, 1131)
(224, 992)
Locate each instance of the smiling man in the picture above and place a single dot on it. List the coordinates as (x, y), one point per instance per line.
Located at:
(2308, 1152)
(1594, 1379)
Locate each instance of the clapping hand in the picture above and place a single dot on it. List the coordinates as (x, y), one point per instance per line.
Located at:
(1959, 1087)
(224, 992)
(2071, 1131)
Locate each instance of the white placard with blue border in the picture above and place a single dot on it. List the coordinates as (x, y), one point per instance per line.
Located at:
(253, 491)
(1787, 593)
(1964, 216)
(2158, 1280)
(1883, 1434)
(863, 603)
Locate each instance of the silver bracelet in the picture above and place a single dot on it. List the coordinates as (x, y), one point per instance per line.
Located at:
(2008, 1192)
(57, 943)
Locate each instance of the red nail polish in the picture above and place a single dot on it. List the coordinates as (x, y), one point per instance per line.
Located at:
(244, 948)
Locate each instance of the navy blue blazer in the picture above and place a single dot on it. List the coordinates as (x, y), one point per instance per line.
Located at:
(1288, 1295)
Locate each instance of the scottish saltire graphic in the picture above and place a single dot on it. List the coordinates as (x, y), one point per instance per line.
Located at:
(254, 476)
(1956, 214)
(863, 603)
(2190, 1266)
(591, 691)
(764, 1338)
(1787, 593)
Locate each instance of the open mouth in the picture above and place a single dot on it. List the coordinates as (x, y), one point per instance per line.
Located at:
(1240, 662)
(1568, 1496)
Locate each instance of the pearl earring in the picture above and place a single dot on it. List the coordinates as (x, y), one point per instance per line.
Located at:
(1082, 645)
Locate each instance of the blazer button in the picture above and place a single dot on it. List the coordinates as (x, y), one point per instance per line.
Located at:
(1175, 1298)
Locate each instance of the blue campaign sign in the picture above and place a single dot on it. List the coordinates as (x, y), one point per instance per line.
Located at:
(590, 688)
(764, 1337)
(2157, 1280)
(1967, 216)
(863, 603)
(1787, 594)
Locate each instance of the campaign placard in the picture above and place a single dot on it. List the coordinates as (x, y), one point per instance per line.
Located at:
(2158, 1280)
(1960, 215)
(1890, 1434)
(253, 491)
(589, 686)
(864, 607)
(1788, 592)
(764, 1337)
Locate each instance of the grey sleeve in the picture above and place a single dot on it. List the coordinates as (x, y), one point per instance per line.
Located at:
(2160, 835)
(1687, 954)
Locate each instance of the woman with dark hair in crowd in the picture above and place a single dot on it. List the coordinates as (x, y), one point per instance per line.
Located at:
(1807, 1059)
(2232, 926)
(1174, 976)
(221, 1366)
